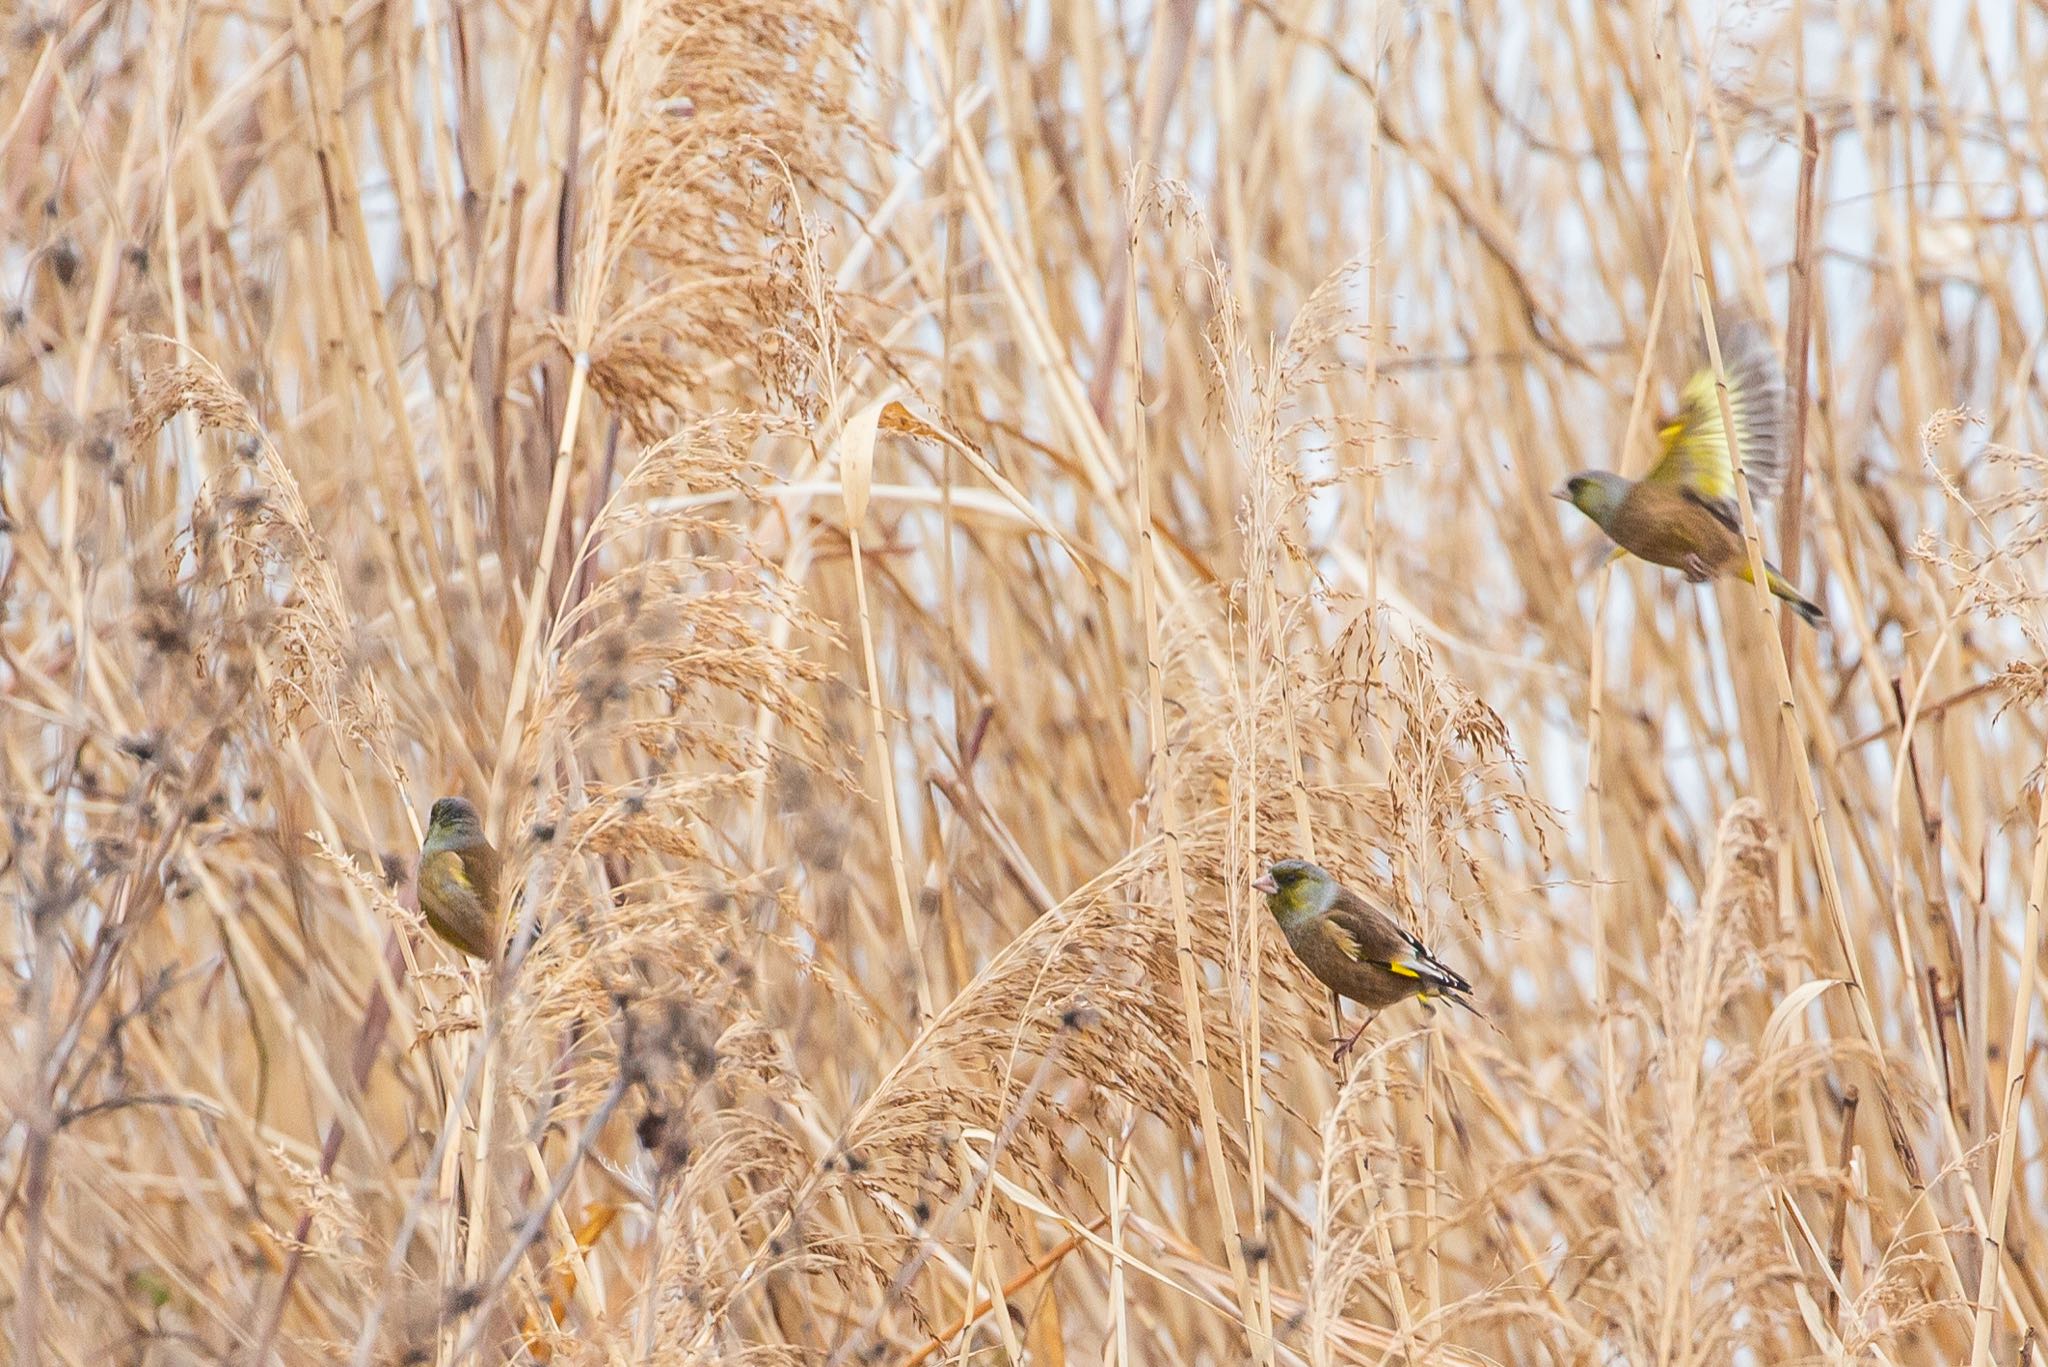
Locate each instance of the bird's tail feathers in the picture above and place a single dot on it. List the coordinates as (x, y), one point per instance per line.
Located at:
(1796, 600)
(1452, 994)
(1809, 610)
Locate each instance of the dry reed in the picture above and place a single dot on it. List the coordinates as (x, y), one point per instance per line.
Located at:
(895, 514)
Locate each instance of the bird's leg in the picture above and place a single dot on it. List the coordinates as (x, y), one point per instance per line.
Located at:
(1696, 569)
(1346, 1046)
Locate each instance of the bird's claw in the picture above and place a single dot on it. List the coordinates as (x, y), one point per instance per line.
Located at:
(1696, 570)
(1345, 1046)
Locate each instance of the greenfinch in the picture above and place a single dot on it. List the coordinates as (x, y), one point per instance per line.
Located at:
(1683, 513)
(458, 879)
(1354, 949)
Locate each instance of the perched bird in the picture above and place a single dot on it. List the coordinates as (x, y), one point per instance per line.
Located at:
(1683, 514)
(1356, 950)
(459, 878)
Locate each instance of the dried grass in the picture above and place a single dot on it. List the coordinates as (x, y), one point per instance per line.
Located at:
(895, 515)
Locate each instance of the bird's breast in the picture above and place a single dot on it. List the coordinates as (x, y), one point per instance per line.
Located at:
(1660, 524)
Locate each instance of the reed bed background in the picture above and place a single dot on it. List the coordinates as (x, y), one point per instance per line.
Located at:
(895, 515)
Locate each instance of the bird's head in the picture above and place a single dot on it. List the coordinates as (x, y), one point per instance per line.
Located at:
(1596, 493)
(454, 817)
(1296, 889)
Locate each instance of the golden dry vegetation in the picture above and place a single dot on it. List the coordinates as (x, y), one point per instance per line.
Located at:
(895, 515)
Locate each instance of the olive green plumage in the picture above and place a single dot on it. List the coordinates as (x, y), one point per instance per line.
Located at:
(1683, 514)
(1354, 949)
(458, 879)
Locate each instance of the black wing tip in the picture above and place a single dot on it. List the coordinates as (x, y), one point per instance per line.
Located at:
(1448, 982)
(1747, 348)
(1756, 383)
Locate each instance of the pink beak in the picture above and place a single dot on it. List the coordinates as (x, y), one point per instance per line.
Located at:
(1264, 883)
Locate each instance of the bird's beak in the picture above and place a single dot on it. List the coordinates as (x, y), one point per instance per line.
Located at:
(1562, 493)
(1264, 883)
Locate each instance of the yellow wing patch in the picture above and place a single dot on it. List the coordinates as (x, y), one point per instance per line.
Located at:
(1347, 945)
(1695, 443)
(1396, 966)
(448, 864)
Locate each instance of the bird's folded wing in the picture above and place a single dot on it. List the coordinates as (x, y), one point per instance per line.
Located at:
(1365, 937)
